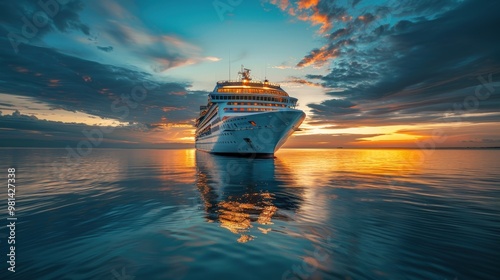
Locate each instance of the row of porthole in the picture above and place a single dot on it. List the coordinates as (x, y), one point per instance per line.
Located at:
(245, 90)
(230, 123)
(256, 104)
(249, 109)
(248, 98)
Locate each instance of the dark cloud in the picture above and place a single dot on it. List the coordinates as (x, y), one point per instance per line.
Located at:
(411, 62)
(106, 91)
(105, 49)
(311, 76)
(27, 21)
(355, 2)
(339, 33)
(337, 106)
(297, 80)
(67, 17)
(332, 10)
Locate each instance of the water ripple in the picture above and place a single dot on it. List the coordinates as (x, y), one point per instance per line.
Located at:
(306, 214)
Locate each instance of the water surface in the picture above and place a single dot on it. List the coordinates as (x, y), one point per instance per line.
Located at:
(306, 214)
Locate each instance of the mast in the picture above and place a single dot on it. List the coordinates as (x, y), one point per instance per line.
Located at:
(245, 74)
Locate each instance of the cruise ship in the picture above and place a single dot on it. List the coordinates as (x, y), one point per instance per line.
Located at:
(246, 117)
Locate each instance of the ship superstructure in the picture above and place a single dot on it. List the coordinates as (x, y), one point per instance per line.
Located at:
(246, 117)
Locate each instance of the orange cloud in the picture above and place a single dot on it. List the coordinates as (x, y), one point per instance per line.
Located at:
(21, 69)
(306, 4)
(317, 18)
(297, 80)
(282, 4)
(54, 83)
(319, 57)
(306, 10)
(168, 109)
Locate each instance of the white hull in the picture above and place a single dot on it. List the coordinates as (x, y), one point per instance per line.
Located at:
(260, 133)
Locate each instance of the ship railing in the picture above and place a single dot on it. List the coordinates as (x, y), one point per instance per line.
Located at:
(236, 82)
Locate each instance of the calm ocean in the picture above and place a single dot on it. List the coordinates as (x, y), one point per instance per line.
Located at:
(306, 214)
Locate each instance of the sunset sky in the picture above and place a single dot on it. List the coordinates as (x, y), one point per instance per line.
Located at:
(367, 73)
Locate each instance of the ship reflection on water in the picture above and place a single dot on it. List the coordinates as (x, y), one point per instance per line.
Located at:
(243, 193)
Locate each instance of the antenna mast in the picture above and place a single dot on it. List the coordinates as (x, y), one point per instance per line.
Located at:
(229, 64)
